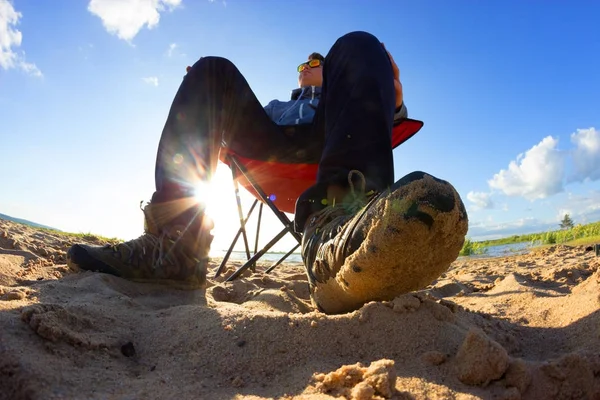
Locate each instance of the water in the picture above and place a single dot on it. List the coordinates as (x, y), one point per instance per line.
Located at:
(501, 250)
(267, 257)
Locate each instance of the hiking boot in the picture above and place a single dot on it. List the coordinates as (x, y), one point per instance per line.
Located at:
(380, 245)
(170, 251)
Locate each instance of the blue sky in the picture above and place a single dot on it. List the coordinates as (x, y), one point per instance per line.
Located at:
(508, 91)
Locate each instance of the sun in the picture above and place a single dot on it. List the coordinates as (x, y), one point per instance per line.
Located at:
(218, 194)
(221, 206)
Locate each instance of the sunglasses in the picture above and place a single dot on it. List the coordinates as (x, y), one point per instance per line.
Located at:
(310, 64)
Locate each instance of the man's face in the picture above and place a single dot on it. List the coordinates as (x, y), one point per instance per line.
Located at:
(310, 76)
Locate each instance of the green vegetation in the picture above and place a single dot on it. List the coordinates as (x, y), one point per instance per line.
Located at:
(471, 248)
(584, 241)
(85, 236)
(92, 236)
(567, 222)
(576, 235)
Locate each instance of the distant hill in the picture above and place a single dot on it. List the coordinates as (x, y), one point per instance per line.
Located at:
(25, 222)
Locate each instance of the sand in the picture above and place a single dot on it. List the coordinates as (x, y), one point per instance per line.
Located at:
(520, 327)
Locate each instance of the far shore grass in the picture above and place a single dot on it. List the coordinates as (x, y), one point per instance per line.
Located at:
(83, 235)
(579, 235)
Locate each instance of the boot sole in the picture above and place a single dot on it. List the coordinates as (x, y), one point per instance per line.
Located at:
(411, 236)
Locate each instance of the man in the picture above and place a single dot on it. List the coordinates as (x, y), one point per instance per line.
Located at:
(364, 237)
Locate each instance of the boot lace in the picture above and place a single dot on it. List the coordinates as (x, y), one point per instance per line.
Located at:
(320, 254)
(146, 248)
(332, 217)
(158, 250)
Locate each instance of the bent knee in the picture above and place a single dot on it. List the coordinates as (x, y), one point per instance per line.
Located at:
(360, 37)
(212, 62)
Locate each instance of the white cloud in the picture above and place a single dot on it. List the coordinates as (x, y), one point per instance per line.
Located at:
(586, 155)
(585, 208)
(480, 200)
(562, 212)
(125, 18)
(171, 49)
(10, 40)
(174, 50)
(151, 80)
(537, 174)
(488, 230)
(582, 209)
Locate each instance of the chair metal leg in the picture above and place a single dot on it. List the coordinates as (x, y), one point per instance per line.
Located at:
(241, 215)
(258, 255)
(260, 208)
(282, 217)
(272, 267)
(288, 225)
(237, 235)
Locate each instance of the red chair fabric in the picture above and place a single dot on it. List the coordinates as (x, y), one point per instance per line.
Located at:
(283, 183)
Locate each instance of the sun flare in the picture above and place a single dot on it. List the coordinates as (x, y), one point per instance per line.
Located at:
(217, 195)
(221, 206)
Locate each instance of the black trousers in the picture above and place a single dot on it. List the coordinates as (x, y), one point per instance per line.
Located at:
(351, 129)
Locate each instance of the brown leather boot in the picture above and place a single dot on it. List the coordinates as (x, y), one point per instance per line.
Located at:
(376, 246)
(173, 250)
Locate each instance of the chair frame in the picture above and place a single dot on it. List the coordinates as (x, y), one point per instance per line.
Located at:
(238, 169)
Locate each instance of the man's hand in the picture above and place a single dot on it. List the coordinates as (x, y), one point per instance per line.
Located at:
(397, 83)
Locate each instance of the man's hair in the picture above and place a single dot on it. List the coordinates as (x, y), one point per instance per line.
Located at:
(316, 56)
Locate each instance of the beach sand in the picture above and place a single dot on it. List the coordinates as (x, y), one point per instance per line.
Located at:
(520, 327)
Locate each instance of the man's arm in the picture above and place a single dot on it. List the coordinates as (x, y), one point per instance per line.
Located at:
(401, 112)
(269, 108)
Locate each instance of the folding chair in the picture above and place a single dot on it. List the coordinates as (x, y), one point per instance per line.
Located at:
(278, 185)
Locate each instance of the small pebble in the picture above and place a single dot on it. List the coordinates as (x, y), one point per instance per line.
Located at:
(16, 295)
(237, 382)
(434, 358)
(128, 350)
